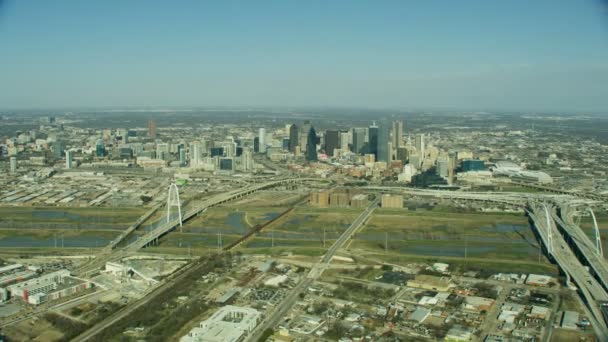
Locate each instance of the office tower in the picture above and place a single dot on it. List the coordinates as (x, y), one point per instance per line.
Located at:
(415, 160)
(195, 154)
(397, 134)
(229, 148)
(69, 156)
(162, 151)
(331, 142)
(294, 138)
(345, 141)
(256, 145)
(442, 168)
(152, 129)
(100, 148)
(285, 144)
(451, 166)
(383, 153)
(226, 164)
(217, 152)
(182, 157)
(402, 154)
(305, 129)
(121, 135)
(311, 148)
(247, 160)
(262, 142)
(13, 162)
(420, 147)
(358, 140)
(372, 146)
(125, 153)
(58, 147)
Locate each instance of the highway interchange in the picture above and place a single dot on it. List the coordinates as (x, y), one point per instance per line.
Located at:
(592, 290)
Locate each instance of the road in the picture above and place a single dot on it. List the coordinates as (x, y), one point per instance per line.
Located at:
(210, 202)
(588, 286)
(587, 248)
(288, 302)
(130, 308)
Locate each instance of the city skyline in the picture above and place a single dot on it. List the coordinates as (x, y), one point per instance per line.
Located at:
(541, 56)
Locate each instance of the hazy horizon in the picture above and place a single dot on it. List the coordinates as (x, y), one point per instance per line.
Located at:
(545, 56)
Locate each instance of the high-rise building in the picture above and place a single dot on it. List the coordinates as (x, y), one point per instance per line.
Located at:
(58, 147)
(100, 148)
(262, 142)
(383, 152)
(195, 154)
(305, 129)
(182, 156)
(372, 147)
(311, 148)
(397, 134)
(294, 138)
(359, 140)
(285, 144)
(420, 147)
(162, 151)
(442, 168)
(247, 160)
(345, 138)
(256, 145)
(152, 129)
(13, 166)
(69, 156)
(402, 154)
(226, 164)
(331, 141)
(217, 152)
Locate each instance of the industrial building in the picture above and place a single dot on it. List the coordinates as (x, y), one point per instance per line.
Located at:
(319, 199)
(47, 287)
(228, 324)
(392, 201)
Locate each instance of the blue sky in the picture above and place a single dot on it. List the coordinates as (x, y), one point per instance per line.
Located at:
(511, 55)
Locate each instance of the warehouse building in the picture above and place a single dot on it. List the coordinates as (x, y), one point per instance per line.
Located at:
(228, 324)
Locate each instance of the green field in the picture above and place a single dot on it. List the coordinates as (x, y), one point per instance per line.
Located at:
(68, 218)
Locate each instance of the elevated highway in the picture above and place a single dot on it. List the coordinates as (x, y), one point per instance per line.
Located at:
(113, 253)
(577, 276)
(208, 203)
(587, 251)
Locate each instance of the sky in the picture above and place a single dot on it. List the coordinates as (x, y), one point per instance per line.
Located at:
(516, 55)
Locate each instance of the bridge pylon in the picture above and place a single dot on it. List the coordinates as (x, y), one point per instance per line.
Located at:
(598, 241)
(549, 231)
(173, 201)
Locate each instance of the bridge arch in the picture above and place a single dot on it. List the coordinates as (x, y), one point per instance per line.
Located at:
(173, 201)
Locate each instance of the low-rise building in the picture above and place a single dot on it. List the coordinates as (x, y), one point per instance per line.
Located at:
(228, 324)
(392, 201)
(477, 304)
(429, 282)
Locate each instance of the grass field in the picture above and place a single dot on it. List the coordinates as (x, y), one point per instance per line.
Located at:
(68, 218)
